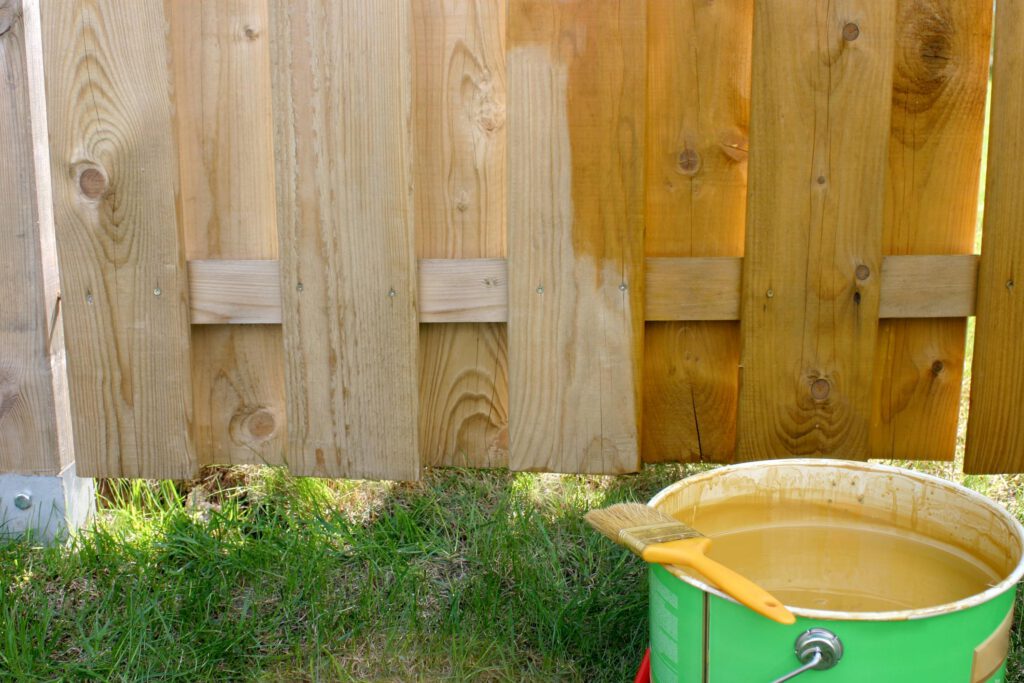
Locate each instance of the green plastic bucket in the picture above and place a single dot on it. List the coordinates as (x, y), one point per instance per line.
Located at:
(699, 635)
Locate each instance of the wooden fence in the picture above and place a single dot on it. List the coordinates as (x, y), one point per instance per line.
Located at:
(364, 236)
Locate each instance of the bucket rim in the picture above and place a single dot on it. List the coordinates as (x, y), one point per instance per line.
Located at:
(990, 593)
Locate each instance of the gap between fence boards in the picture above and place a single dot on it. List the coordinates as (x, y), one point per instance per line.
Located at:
(476, 290)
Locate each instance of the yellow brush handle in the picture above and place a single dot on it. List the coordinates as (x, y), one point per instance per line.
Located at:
(690, 552)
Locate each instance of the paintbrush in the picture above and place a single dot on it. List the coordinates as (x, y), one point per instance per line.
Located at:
(656, 537)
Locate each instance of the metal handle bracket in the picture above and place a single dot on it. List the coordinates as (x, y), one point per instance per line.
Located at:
(817, 649)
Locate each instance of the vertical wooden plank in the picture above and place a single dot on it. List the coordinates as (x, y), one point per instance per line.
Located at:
(821, 94)
(460, 180)
(115, 187)
(33, 440)
(698, 105)
(939, 85)
(576, 116)
(995, 426)
(221, 62)
(342, 81)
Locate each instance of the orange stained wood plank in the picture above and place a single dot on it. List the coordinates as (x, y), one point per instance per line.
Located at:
(122, 262)
(460, 179)
(221, 63)
(35, 436)
(939, 85)
(343, 150)
(995, 427)
(577, 73)
(698, 92)
(821, 94)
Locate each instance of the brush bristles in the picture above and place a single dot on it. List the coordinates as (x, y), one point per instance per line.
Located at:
(636, 526)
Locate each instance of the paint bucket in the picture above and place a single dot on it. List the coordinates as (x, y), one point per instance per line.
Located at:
(936, 564)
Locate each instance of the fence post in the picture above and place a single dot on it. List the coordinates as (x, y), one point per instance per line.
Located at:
(39, 492)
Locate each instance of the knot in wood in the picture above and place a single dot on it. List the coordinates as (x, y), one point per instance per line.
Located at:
(10, 10)
(937, 367)
(92, 182)
(688, 162)
(851, 32)
(251, 33)
(820, 389)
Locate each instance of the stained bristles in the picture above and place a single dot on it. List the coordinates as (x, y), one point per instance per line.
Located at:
(636, 525)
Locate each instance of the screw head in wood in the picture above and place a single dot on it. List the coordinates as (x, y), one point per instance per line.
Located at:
(862, 272)
(851, 32)
(88, 298)
(540, 289)
(770, 293)
(299, 287)
(623, 287)
(392, 293)
(157, 291)
(23, 501)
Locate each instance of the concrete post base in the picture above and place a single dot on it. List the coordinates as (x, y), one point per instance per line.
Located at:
(46, 508)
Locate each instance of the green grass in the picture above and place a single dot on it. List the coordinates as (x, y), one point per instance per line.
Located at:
(470, 575)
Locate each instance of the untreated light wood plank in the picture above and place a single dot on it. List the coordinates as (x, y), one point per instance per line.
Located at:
(122, 264)
(221, 63)
(995, 426)
(821, 95)
(235, 292)
(35, 436)
(452, 289)
(576, 129)
(939, 85)
(461, 180)
(343, 149)
(698, 106)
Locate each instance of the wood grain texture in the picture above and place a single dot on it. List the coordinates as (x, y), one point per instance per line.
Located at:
(938, 112)
(928, 287)
(821, 95)
(122, 264)
(698, 92)
(576, 130)
(343, 150)
(32, 439)
(221, 62)
(248, 292)
(995, 426)
(461, 180)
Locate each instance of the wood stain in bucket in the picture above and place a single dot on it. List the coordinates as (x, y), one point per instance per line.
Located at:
(809, 558)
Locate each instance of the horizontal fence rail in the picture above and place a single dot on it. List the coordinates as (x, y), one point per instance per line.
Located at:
(361, 238)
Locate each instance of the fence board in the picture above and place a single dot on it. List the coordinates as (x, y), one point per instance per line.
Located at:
(995, 427)
(698, 91)
(122, 264)
(33, 439)
(939, 86)
(460, 179)
(343, 149)
(221, 62)
(821, 94)
(576, 116)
